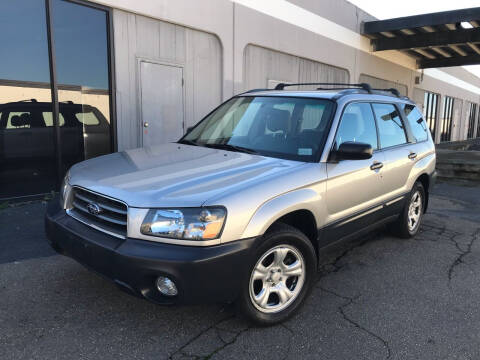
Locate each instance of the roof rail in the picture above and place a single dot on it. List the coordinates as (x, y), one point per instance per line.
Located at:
(392, 90)
(25, 100)
(253, 90)
(363, 86)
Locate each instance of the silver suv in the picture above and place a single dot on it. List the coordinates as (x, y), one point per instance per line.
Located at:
(239, 209)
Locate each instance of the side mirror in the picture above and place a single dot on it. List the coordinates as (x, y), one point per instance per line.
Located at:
(353, 151)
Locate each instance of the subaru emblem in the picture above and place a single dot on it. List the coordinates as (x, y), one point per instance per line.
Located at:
(93, 209)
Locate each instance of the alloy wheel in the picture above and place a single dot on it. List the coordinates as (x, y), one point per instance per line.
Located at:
(414, 211)
(277, 279)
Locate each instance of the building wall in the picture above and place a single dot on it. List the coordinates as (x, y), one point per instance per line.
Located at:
(265, 68)
(141, 38)
(377, 83)
(299, 39)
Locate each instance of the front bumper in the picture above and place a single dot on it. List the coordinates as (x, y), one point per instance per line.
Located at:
(201, 274)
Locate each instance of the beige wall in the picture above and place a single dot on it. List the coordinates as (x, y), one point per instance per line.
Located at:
(198, 53)
(326, 33)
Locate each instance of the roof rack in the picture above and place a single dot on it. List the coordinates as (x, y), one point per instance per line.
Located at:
(26, 100)
(363, 86)
(392, 90)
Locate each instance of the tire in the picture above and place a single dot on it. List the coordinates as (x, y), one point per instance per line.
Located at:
(411, 217)
(271, 292)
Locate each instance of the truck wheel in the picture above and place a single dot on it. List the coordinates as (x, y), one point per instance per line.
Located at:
(410, 219)
(281, 273)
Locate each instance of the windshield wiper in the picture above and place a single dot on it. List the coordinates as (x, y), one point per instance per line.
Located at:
(232, 148)
(188, 142)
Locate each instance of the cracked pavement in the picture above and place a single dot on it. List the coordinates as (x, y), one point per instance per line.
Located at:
(377, 297)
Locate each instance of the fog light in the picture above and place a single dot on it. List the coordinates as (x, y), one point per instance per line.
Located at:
(166, 286)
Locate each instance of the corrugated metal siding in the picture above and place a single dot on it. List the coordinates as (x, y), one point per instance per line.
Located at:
(138, 37)
(264, 67)
(383, 84)
(418, 97)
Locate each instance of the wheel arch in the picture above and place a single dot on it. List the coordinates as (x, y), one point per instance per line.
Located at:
(424, 179)
(304, 221)
(300, 209)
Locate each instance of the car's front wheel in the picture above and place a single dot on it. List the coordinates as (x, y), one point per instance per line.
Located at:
(280, 276)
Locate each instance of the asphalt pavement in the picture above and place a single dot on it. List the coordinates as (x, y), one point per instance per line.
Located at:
(377, 297)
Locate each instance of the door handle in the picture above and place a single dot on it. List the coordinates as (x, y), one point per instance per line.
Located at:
(412, 155)
(376, 165)
(145, 124)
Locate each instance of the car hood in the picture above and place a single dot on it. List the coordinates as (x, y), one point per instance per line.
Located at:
(175, 174)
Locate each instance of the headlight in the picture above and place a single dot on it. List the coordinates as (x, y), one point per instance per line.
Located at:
(188, 223)
(64, 189)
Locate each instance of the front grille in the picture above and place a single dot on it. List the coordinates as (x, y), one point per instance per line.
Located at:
(100, 212)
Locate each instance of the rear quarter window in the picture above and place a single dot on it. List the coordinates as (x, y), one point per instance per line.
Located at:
(87, 118)
(416, 122)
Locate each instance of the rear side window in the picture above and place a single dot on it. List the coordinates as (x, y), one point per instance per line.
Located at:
(390, 127)
(87, 118)
(358, 125)
(416, 122)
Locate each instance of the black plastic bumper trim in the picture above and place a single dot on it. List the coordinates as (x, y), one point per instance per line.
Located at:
(202, 274)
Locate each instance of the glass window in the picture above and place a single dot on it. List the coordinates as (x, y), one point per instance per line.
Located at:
(312, 116)
(271, 126)
(357, 125)
(48, 118)
(430, 103)
(472, 114)
(447, 120)
(27, 158)
(416, 122)
(390, 126)
(81, 48)
(23, 35)
(87, 118)
(17, 119)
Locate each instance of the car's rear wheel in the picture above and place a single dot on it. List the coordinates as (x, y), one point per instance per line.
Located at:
(411, 217)
(280, 276)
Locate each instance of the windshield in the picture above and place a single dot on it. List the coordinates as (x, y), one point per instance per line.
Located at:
(283, 127)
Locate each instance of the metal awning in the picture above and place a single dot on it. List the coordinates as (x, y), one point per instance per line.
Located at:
(448, 38)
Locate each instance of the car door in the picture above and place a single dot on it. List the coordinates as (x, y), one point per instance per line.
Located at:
(419, 146)
(399, 158)
(354, 187)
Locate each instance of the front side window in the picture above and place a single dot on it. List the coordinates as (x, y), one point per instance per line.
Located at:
(357, 125)
(283, 127)
(416, 122)
(390, 126)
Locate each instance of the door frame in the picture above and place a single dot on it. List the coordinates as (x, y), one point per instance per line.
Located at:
(54, 83)
(139, 60)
